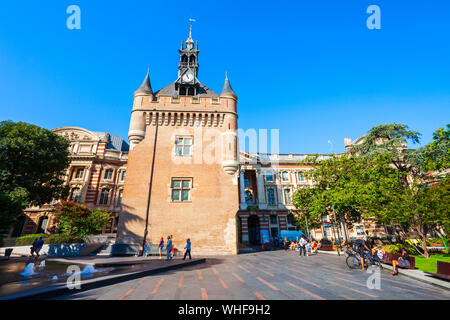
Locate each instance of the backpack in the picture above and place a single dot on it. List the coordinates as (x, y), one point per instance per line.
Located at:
(358, 245)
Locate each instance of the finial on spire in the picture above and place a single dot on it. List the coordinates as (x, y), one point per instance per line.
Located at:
(190, 28)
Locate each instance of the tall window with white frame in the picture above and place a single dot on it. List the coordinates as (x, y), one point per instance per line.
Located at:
(301, 177)
(119, 198)
(271, 196)
(104, 196)
(287, 196)
(108, 174)
(79, 173)
(122, 176)
(285, 176)
(269, 177)
(183, 145)
(181, 189)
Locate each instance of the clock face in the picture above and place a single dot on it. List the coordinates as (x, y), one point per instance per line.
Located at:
(188, 77)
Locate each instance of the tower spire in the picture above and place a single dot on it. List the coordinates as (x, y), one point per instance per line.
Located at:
(146, 87)
(227, 90)
(190, 27)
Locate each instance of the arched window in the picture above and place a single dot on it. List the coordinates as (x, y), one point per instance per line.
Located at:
(184, 58)
(191, 91)
(192, 60)
(119, 198)
(42, 225)
(108, 174)
(104, 196)
(182, 91)
(248, 197)
(75, 195)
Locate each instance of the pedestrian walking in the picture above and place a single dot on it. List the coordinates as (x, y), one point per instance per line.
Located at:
(188, 249)
(303, 243)
(39, 245)
(169, 248)
(33, 247)
(173, 247)
(160, 247)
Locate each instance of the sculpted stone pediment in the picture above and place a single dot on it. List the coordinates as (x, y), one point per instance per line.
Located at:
(76, 134)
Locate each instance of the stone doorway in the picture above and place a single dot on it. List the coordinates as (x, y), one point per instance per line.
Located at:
(253, 230)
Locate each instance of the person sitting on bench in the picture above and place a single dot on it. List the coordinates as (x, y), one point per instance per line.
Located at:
(402, 262)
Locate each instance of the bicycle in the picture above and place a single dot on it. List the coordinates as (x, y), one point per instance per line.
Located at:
(354, 260)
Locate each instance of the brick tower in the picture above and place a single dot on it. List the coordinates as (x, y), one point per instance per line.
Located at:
(182, 177)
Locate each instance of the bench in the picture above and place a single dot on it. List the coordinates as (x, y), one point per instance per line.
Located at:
(443, 270)
(389, 257)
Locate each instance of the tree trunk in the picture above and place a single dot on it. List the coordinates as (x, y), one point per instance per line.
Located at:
(424, 243)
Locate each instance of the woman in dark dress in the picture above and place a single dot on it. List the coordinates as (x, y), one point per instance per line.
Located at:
(402, 261)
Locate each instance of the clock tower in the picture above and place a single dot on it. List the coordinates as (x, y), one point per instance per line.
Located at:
(187, 83)
(182, 169)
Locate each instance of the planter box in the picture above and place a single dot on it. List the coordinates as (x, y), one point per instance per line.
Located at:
(57, 250)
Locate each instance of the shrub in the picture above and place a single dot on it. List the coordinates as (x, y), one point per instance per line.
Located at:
(408, 247)
(391, 248)
(29, 238)
(435, 242)
(48, 239)
(64, 238)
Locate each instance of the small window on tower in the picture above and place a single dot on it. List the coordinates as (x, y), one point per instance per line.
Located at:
(183, 146)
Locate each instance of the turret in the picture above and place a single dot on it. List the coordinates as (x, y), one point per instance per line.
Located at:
(137, 123)
(230, 162)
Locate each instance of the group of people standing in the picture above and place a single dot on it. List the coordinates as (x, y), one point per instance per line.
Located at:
(170, 248)
(302, 245)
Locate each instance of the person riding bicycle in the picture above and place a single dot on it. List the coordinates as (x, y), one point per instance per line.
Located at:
(360, 246)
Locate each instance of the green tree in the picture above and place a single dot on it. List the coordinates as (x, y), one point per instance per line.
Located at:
(436, 153)
(414, 203)
(392, 139)
(355, 187)
(11, 206)
(424, 208)
(31, 161)
(78, 220)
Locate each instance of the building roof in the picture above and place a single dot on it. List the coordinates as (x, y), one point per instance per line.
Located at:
(114, 142)
(170, 90)
(146, 87)
(227, 89)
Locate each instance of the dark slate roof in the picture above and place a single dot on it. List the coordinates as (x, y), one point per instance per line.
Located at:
(169, 90)
(114, 142)
(146, 86)
(227, 89)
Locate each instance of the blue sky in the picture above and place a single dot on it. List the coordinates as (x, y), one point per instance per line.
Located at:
(311, 69)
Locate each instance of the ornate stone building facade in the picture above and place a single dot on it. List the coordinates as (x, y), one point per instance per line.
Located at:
(267, 183)
(95, 177)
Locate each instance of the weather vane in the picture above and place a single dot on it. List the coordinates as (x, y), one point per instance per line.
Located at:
(190, 28)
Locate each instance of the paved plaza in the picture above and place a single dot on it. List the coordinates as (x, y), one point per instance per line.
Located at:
(273, 275)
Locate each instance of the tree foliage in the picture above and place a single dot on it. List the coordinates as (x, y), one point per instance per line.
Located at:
(355, 187)
(31, 160)
(78, 220)
(436, 153)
